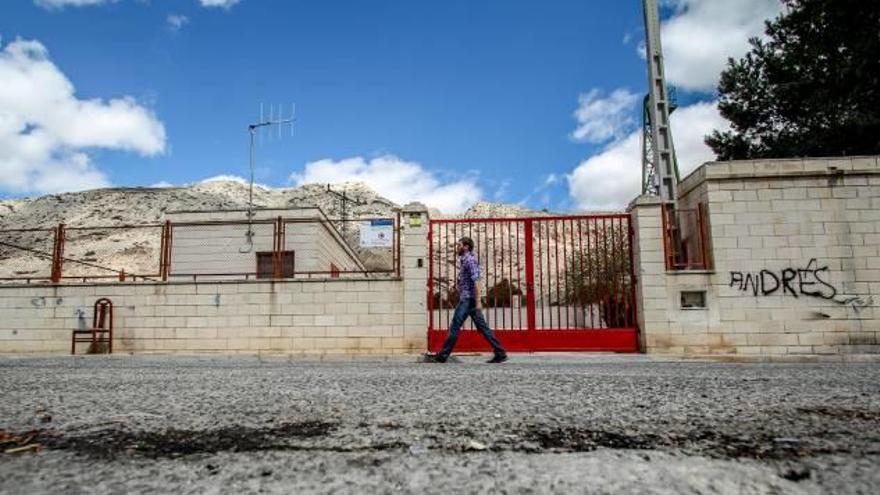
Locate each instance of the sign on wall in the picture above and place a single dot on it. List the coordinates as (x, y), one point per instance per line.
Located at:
(377, 233)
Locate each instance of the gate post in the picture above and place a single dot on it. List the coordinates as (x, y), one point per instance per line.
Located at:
(530, 282)
(649, 268)
(414, 271)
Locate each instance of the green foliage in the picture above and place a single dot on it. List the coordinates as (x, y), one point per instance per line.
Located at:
(601, 275)
(812, 88)
(502, 295)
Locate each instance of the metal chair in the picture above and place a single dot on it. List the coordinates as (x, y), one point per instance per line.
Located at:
(102, 326)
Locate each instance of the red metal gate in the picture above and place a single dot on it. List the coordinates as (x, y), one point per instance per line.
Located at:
(549, 283)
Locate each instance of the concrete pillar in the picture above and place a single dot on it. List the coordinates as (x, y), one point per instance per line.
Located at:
(650, 270)
(414, 270)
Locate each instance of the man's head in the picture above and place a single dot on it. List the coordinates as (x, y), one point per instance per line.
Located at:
(464, 245)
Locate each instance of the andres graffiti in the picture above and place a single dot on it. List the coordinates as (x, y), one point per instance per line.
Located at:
(809, 281)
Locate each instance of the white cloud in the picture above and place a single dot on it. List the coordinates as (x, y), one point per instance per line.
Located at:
(600, 119)
(542, 190)
(176, 21)
(60, 4)
(398, 180)
(611, 179)
(219, 3)
(45, 130)
(701, 35)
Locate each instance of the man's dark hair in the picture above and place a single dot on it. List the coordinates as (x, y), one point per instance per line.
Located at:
(467, 241)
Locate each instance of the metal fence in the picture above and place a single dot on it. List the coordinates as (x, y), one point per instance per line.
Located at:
(27, 254)
(111, 253)
(685, 234)
(280, 248)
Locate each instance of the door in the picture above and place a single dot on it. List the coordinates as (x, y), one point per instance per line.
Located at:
(549, 283)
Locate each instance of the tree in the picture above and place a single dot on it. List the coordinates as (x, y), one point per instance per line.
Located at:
(602, 276)
(812, 88)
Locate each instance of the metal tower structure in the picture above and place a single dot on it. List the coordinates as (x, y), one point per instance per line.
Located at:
(659, 166)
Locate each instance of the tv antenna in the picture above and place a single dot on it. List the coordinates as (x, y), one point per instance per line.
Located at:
(278, 120)
(345, 199)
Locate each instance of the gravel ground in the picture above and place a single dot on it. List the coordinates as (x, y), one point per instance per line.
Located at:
(537, 424)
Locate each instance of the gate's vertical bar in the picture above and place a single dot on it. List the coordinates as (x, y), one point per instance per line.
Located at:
(448, 271)
(519, 283)
(494, 274)
(582, 277)
(503, 308)
(453, 274)
(608, 286)
(501, 265)
(549, 280)
(633, 313)
(510, 249)
(563, 275)
(430, 277)
(575, 265)
(530, 284)
(558, 300)
(612, 264)
(540, 271)
(591, 270)
(596, 273)
(470, 233)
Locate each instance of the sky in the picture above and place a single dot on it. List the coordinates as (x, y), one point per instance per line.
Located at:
(519, 101)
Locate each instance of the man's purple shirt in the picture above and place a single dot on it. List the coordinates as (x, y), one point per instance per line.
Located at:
(468, 276)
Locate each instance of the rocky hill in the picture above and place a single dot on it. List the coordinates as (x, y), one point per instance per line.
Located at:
(135, 250)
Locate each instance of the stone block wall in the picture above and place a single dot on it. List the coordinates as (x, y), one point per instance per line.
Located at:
(330, 316)
(796, 250)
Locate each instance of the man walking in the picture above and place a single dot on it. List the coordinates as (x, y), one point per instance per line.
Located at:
(469, 305)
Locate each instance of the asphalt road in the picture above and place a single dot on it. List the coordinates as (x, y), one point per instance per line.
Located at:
(537, 424)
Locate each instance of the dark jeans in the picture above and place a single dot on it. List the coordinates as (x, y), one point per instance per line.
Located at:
(465, 308)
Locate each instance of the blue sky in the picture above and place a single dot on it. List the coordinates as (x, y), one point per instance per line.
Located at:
(460, 100)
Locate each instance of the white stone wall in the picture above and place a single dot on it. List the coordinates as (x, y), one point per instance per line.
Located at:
(796, 249)
(223, 248)
(338, 316)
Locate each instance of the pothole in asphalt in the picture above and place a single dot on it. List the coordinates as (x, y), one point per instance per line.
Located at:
(175, 443)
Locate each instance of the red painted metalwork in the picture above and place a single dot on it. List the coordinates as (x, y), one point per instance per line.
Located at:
(684, 238)
(587, 303)
(58, 254)
(102, 327)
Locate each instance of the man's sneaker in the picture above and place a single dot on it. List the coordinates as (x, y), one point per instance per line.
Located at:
(498, 358)
(434, 358)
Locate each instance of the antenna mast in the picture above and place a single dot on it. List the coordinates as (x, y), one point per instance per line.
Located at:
(659, 165)
(279, 121)
(344, 199)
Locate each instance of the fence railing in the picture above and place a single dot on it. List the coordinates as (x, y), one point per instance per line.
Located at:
(280, 248)
(685, 234)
